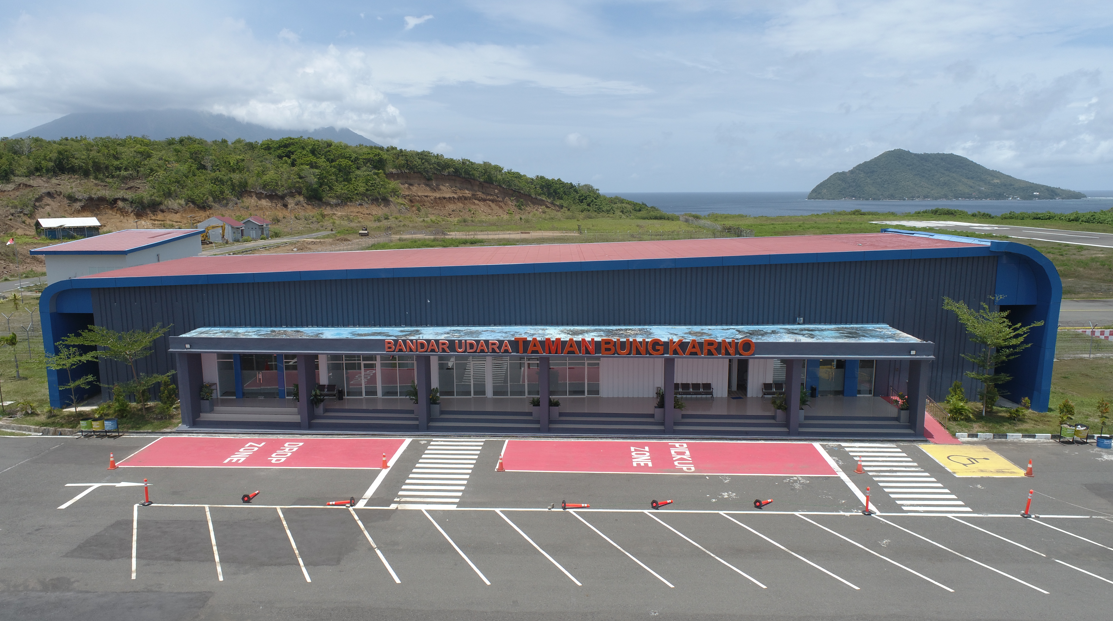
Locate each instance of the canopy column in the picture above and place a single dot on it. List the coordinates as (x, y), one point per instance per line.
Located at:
(189, 386)
(918, 374)
(307, 381)
(670, 392)
(544, 391)
(793, 377)
(422, 371)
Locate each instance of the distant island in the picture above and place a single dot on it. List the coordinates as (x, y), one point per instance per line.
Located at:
(900, 175)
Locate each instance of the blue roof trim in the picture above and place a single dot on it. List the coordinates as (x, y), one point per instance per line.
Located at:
(55, 249)
(941, 236)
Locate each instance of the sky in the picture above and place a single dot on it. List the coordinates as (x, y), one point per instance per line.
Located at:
(627, 95)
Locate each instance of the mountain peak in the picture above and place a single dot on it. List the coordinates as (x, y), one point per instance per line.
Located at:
(163, 124)
(902, 175)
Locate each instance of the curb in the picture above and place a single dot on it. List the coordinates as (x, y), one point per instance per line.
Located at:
(1005, 436)
(42, 431)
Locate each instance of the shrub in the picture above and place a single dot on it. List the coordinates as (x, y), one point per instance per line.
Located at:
(956, 406)
(1066, 411)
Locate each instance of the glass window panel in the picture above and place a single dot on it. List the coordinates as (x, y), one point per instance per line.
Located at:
(290, 370)
(865, 377)
(592, 375)
(370, 377)
(500, 376)
(446, 378)
(259, 373)
(479, 376)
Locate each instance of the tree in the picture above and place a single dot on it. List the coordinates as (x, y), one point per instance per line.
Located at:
(956, 406)
(67, 359)
(128, 348)
(1001, 341)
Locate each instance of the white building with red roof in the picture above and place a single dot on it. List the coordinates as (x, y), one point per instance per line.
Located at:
(222, 229)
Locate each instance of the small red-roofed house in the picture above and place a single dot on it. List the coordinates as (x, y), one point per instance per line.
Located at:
(257, 227)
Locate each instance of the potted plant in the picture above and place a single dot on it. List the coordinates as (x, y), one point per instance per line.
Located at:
(206, 394)
(554, 408)
(780, 407)
(1103, 440)
(902, 406)
(435, 402)
(294, 393)
(535, 405)
(411, 393)
(659, 406)
(317, 398)
(678, 407)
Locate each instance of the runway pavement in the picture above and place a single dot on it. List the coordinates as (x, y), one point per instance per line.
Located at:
(501, 552)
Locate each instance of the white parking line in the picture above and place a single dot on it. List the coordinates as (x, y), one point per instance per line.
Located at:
(382, 474)
(457, 548)
(619, 548)
(1083, 571)
(134, 536)
(81, 495)
(884, 558)
(707, 552)
(375, 547)
(1071, 534)
(979, 563)
(839, 471)
(212, 537)
(996, 535)
(790, 552)
(292, 544)
(538, 548)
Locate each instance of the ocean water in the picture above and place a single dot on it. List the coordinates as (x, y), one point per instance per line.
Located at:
(797, 203)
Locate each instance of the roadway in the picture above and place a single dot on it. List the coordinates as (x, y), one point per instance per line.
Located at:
(493, 549)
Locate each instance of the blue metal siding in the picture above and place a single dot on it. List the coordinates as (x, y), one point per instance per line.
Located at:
(906, 294)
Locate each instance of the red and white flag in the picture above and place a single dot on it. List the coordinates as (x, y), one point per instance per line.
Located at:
(10, 242)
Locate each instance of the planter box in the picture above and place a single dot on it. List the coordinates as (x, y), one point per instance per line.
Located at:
(434, 410)
(536, 412)
(780, 416)
(206, 406)
(319, 410)
(658, 414)
(554, 412)
(903, 416)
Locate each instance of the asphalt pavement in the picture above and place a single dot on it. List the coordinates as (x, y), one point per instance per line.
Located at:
(1077, 238)
(199, 552)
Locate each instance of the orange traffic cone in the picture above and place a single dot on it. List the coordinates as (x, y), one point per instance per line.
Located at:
(111, 461)
(351, 502)
(1029, 473)
(859, 470)
(499, 468)
(573, 505)
(760, 504)
(385, 466)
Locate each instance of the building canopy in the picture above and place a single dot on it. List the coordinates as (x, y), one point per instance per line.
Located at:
(844, 341)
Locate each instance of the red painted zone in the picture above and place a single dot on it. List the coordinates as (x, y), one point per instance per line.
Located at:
(732, 458)
(264, 453)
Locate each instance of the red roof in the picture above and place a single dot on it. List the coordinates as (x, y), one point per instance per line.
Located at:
(258, 220)
(539, 254)
(119, 242)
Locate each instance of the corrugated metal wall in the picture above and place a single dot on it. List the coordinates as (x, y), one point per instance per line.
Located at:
(907, 295)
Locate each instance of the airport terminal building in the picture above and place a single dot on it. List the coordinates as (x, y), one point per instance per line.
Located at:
(723, 328)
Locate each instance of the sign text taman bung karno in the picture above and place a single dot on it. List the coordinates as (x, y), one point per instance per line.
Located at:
(578, 347)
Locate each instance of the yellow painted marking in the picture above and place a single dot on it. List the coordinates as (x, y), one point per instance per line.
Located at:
(972, 461)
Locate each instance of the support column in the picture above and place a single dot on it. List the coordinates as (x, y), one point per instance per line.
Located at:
(793, 377)
(918, 373)
(281, 377)
(670, 392)
(543, 389)
(850, 379)
(237, 372)
(189, 386)
(307, 381)
(421, 364)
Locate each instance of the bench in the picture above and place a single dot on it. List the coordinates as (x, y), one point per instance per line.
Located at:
(769, 389)
(685, 389)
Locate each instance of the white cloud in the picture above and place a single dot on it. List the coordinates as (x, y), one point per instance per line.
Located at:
(416, 21)
(443, 148)
(577, 141)
(287, 35)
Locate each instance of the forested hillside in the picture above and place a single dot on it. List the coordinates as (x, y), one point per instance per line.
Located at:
(901, 175)
(147, 173)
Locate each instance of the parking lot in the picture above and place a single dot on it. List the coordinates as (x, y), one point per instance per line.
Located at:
(500, 552)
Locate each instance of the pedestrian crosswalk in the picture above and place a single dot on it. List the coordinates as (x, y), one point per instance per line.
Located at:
(903, 479)
(439, 478)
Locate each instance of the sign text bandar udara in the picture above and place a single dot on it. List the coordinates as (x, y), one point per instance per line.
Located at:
(525, 346)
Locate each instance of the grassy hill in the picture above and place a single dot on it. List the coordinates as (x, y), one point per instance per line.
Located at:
(901, 175)
(145, 175)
